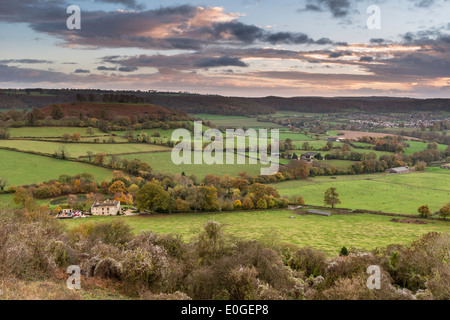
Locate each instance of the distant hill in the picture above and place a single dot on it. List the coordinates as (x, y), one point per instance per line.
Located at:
(111, 110)
(215, 104)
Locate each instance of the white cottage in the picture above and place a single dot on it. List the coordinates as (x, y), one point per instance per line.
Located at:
(106, 208)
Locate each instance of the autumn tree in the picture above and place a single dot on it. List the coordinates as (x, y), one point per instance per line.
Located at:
(444, 212)
(116, 187)
(57, 112)
(240, 184)
(76, 137)
(23, 197)
(66, 137)
(261, 204)
(300, 201)
(90, 131)
(298, 169)
(152, 196)
(331, 197)
(424, 211)
(203, 198)
(100, 158)
(305, 146)
(133, 189)
(248, 203)
(345, 148)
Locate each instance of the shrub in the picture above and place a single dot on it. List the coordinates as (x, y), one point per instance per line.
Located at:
(248, 203)
(115, 232)
(108, 269)
(300, 201)
(344, 251)
(237, 204)
(261, 204)
(311, 261)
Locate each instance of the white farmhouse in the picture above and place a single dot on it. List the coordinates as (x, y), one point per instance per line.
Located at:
(106, 208)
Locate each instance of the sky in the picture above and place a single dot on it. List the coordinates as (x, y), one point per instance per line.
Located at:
(248, 48)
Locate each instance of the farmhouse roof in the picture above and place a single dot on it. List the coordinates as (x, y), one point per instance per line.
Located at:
(310, 154)
(400, 169)
(106, 203)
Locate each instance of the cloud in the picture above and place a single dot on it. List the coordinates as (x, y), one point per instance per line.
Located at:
(82, 71)
(366, 59)
(220, 62)
(127, 3)
(338, 8)
(103, 68)
(27, 61)
(127, 69)
(183, 27)
(337, 54)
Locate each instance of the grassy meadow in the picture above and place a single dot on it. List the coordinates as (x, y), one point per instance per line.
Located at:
(162, 162)
(80, 149)
(326, 233)
(39, 132)
(22, 168)
(378, 192)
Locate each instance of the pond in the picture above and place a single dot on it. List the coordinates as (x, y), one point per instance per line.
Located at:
(63, 200)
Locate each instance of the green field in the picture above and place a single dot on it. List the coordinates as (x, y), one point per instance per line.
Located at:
(6, 200)
(22, 168)
(417, 146)
(378, 192)
(236, 121)
(80, 149)
(162, 162)
(296, 137)
(40, 132)
(327, 233)
(340, 164)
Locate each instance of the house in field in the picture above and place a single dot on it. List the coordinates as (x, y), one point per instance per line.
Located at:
(106, 208)
(399, 170)
(332, 139)
(309, 156)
